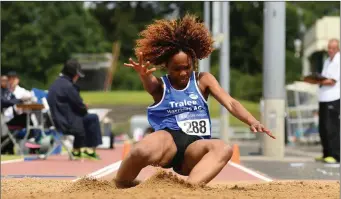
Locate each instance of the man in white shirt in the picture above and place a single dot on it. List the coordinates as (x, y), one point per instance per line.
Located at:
(329, 104)
(18, 91)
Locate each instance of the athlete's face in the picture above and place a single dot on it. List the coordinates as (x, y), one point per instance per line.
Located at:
(179, 69)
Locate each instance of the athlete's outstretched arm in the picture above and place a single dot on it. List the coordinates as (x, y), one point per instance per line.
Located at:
(150, 83)
(232, 105)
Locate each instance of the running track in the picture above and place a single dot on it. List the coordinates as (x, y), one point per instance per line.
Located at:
(59, 167)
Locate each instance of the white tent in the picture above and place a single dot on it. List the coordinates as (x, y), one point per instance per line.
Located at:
(303, 87)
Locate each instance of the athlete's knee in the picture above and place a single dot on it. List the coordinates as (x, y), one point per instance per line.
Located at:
(223, 151)
(143, 153)
(139, 152)
(228, 152)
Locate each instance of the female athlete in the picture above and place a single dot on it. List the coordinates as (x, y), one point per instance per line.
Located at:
(180, 114)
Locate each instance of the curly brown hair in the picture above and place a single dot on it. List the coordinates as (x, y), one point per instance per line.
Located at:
(164, 38)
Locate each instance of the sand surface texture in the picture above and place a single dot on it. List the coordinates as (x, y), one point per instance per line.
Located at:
(166, 185)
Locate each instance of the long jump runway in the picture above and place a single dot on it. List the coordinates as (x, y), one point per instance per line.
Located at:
(57, 177)
(57, 167)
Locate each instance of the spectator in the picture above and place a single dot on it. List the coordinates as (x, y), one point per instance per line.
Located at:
(70, 114)
(18, 91)
(329, 104)
(8, 148)
(7, 97)
(8, 101)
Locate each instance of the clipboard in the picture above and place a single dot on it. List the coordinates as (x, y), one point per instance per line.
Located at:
(315, 76)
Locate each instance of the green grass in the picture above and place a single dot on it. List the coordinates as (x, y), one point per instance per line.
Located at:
(143, 98)
(10, 157)
(117, 98)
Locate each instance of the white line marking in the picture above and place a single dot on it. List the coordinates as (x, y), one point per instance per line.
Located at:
(103, 171)
(332, 165)
(12, 161)
(114, 168)
(249, 171)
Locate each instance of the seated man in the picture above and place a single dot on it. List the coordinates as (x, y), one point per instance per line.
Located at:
(7, 97)
(70, 114)
(8, 101)
(18, 91)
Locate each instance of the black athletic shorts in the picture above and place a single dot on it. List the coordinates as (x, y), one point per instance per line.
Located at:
(182, 141)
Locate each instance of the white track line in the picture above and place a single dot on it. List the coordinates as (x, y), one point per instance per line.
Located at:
(102, 172)
(249, 171)
(114, 167)
(11, 161)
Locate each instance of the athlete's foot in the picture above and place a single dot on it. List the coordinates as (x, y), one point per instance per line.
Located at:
(126, 184)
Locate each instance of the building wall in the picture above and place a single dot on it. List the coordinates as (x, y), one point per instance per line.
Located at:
(315, 42)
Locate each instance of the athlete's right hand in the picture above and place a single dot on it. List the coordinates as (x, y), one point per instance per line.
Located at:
(141, 68)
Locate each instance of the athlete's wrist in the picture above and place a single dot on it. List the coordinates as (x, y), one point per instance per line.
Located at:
(254, 122)
(145, 76)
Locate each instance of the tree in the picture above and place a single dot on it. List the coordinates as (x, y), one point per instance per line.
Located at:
(37, 36)
(122, 21)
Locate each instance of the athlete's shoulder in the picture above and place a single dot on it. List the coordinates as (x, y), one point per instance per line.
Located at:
(204, 76)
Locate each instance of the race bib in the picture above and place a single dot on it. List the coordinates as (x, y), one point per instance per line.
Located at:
(194, 123)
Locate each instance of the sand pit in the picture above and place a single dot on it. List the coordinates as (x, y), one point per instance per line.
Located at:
(165, 185)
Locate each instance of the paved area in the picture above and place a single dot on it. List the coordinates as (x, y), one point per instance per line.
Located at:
(253, 148)
(298, 162)
(295, 169)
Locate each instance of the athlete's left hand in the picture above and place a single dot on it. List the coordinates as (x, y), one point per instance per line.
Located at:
(258, 127)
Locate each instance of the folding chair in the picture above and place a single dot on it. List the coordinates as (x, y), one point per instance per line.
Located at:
(59, 138)
(9, 133)
(13, 132)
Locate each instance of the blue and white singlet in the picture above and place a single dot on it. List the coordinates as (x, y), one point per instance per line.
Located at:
(184, 110)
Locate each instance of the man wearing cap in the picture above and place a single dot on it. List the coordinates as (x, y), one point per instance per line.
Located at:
(70, 114)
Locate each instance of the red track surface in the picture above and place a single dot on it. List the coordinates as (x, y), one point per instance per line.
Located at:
(61, 166)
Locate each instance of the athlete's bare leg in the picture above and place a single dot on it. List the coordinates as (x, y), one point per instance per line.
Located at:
(157, 148)
(204, 159)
